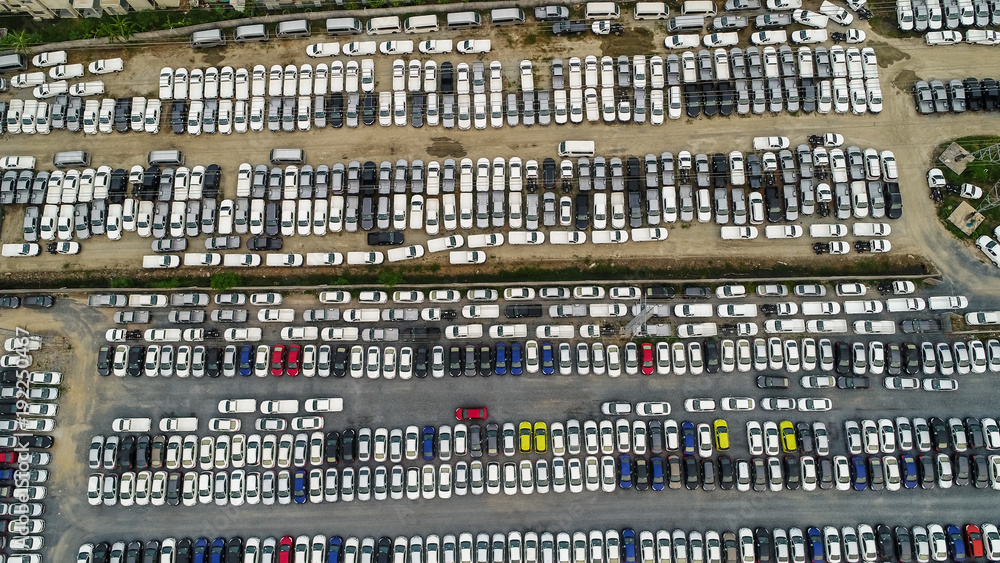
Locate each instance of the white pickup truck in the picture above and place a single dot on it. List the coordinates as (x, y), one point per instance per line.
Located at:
(283, 406)
(276, 315)
(828, 230)
(600, 310)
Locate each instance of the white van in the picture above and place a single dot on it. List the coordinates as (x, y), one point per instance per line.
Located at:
(685, 23)
(385, 25)
(165, 158)
(698, 8)
(247, 33)
(71, 159)
(208, 38)
(507, 16)
(421, 24)
(287, 156)
(343, 26)
(293, 28)
(576, 148)
(464, 20)
(602, 11)
(650, 11)
(160, 261)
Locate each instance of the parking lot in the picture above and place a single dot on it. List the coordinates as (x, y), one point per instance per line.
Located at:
(397, 403)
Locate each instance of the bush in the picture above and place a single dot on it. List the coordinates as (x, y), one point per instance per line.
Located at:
(226, 280)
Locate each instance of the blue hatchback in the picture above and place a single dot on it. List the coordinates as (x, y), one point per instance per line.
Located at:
(956, 545)
(515, 359)
(428, 443)
(656, 483)
(501, 364)
(246, 359)
(548, 366)
(687, 431)
(815, 545)
(299, 487)
(625, 471)
(218, 549)
(333, 554)
(909, 471)
(628, 541)
(860, 473)
(200, 550)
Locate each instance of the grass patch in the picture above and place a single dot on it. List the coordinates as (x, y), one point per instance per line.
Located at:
(886, 26)
(982, 174)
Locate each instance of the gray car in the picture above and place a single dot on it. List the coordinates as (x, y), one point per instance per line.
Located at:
(98, 215)
(161, 214)
(673, 70)
(222, 243)
(208, 211)
(353, 103)
(274, 113)
(531, 212)
(31, 224)
(549, 209)
(210, 116)
(558, 78)
(288, 114)
(165, 245)
(956, 92)
(192, 224)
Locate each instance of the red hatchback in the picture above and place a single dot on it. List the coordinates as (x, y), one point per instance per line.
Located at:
(6, 457)
(278, 360)
(974, 539)
(285, 550)
(471, 413)
(647, 358)
(292, 364)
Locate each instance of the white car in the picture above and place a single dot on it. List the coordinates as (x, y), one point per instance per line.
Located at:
(947, 37)
(682, 41)
(699, 405)
(106, 66)
(317, 50)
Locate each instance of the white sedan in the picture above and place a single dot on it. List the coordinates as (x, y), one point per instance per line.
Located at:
(317, 50)
(821, 404)
(777, 404)
(699, 405)
(652, 408)
(738, 404)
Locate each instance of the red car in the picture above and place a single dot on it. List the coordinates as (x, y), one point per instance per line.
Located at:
(285, 550)
(278, 360)
(974, 539)
(647, 358)
(6, 457)
(471, 413)
(292, 365)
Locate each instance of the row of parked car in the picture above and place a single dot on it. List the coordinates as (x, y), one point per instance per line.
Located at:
(923, 15)
(957, 96)
(863, 542)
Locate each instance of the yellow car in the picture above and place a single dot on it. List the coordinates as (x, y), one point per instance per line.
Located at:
(524, 437)
(721, 435)
(787, 436)
(540, 434)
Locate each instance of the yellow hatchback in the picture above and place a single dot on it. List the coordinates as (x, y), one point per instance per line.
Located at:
(541, 432)
(721, 434)
(787, 437)
(524, 437)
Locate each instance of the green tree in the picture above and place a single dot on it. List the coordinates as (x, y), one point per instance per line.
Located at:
(119, 27)
(224, 281)
(376, 3)
(19, 40)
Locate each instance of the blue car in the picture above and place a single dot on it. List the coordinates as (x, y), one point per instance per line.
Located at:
(6, 474)
(548, 366)
(333, 553)
(815, 545)
(625, 471)
(501, 364)
(956, 545)
(859, 473)
(200, 550)
(218, 550)
(910, 476)
(656, 469)
(428, 448)
(246, 359)
(687, 431)
(299, 487)
(628, 541)
(515, 359)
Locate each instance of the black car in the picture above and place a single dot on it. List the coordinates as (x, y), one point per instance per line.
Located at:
(884, 542)
(692, 100)
(692, 473)
(824, 471)
(876, 479)
(234, 550)
(264, 243)
(940, 436)
(805, 437)
(710, 99)
(641, 475)
(991, 94)
(9, 302)
(772, 382)
(174, 489)
(348, 446)
(696, 293)
(33, 441)
(383, 550)
(773, 203)
(853, 382)
(447, 78)
(960, 469)
(973, 94)
(151, 553)
(369, 109)
(764, 549)
(925, 465)
(842, 357)
(720, 170)
(104, 360)
(492, 439)
(674, 472)
(582, 211)
(711, 351)
(389, 238)
(475, 441)
(332, 447)
(417, 110)
(420, 361)
(980, 472)
(470, 361)
(102, 552)
(178, 117)
(133, 552)
(549, 173)
(142, 452)
(45, 301)
(759, 470)
(335, 109)
(793, 477)
(485, 360)
(708, 475)
(974, 432)
(575, 27)
(126, 453)
(454, 361)
(726, 473)
(895, 200)
(133, 366)
(726, 99)
(660, 292)
(523, 311)
(339, 366)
